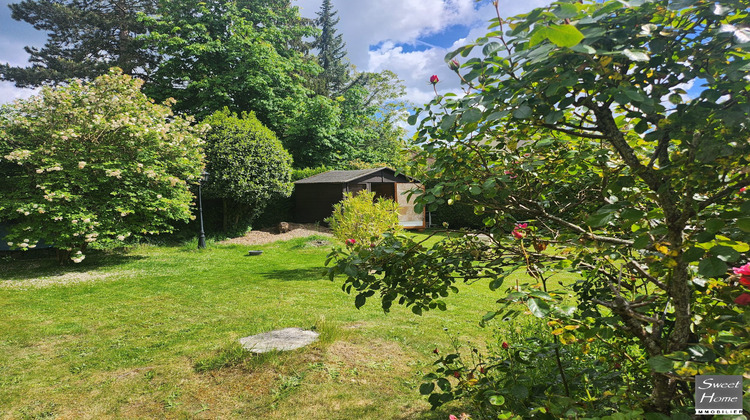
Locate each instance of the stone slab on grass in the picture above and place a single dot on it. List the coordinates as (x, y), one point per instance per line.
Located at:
(286, 339)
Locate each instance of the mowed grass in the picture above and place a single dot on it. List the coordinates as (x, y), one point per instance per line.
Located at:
(152, 333)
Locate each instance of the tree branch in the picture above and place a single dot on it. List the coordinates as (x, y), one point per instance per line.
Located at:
(585, 233)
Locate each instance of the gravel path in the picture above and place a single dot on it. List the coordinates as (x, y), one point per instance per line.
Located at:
(264, 236)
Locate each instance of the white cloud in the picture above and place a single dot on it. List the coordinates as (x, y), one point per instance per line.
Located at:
(373, 31)
(9, 93)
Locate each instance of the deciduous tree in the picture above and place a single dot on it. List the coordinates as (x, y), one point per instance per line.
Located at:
(93, 162)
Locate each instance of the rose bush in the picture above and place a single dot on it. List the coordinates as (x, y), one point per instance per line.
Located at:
(576, 120)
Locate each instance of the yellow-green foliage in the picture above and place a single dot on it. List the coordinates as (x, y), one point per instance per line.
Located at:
(364, 219)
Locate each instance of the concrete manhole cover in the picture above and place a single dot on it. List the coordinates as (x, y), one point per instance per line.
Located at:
(286, 339)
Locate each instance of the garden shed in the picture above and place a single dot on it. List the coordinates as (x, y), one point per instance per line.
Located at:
(315, 196)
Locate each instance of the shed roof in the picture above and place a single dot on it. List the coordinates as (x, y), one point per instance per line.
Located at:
(340, 177)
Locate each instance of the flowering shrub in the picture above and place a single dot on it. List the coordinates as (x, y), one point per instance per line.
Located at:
(360, 219)
(93, 162)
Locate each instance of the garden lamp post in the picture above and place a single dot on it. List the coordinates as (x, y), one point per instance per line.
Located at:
(202, 236)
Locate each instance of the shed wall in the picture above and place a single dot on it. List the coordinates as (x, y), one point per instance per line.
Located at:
(314, 202)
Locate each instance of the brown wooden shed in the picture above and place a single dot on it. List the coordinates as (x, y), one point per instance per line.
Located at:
(315, 196)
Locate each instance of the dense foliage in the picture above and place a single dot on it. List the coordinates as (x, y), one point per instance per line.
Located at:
(247, 165)
(84, 39)
(93, 162)
(247, 55)
(251, 67)
(577, 141)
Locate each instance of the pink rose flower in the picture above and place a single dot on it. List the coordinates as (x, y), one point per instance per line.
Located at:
(742, 271)
(351, 241)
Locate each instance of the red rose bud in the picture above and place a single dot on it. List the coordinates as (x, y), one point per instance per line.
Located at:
(617, 366)
(505, 345)
(743, 299)
(453, 65)
(456, 374)
(436, 351)
(482, 370)
(434, 79)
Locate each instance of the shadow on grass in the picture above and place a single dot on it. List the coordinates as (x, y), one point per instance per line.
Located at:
(296, 274)
(22, 265)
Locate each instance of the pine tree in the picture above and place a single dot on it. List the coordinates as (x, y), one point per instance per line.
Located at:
(85, 39)
(331, 53)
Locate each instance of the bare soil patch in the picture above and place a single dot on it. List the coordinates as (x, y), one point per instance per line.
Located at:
(268, 235)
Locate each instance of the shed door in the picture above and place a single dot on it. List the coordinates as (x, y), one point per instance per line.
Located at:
(407, 217)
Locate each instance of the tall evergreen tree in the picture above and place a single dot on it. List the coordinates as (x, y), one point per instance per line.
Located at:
(85, 39)
(331, 53)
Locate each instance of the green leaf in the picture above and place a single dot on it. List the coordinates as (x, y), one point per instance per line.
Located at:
(471, 115)
(564, 35)
(744, 224)
(447, 122)
(497, 400)
(600, 218)
(523, 112)
(412, 120)
(693, 254)
(538, 35)
(712, 267)
(714, 225)
(725, 253)
(491, 47)
(553, 117)
(631, 214)
(641, 242)
(583, 48)
(360, 300)
(566, 11)
(660, 364)
(519, 391)
(538, 308)
(427, 388)
(635, 55)
(496, 283)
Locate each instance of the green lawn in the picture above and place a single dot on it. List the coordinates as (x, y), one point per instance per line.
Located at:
(153, 333)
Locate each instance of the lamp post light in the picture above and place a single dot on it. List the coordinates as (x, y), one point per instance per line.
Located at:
(202, 236)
